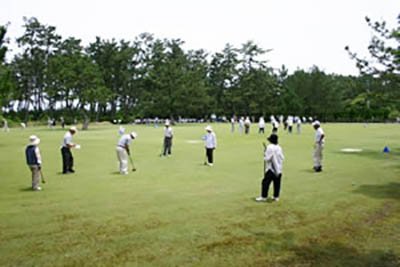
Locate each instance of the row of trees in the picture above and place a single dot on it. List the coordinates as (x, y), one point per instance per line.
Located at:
(148, 77)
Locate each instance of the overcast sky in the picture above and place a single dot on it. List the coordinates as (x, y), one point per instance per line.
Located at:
(302, 33)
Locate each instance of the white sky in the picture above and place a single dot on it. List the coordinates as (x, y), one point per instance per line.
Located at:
(302, 33)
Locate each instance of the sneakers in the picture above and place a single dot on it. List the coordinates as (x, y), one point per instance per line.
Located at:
(265, 199)
(37, 189)
(261, 199)
(318, 169)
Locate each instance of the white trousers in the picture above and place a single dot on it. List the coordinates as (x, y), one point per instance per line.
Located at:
(122, 156)
(317, 156)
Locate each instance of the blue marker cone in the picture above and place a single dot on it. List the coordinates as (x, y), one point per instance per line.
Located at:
(386, 149)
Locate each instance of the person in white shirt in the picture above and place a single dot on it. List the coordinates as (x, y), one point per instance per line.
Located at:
(247, 124)
(232, 124)
(210, 142)
(261, 125)
(121, 130)
(290, 123)
(273, 158)
(34, 161)
(168, 135)
(123, 151)
(275, 126)
(5, 126)
(67, 144)
(318, 146)
(298, 125)
(241, 125)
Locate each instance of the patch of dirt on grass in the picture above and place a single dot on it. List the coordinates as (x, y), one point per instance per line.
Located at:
(228, 243)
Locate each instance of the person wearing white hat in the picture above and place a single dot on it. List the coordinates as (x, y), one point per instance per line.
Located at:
(210, 140)
(318, 146)
(67, 144)
(123, 151)
(34, 161)
(168, 135)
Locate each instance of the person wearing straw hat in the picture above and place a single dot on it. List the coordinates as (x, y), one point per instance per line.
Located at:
(318, 146)
(123, 151)
(210, 140)
(67, 144)
(168, 135)
(273, 157)
(34, 161)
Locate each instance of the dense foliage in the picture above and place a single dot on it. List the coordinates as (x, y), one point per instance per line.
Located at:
(149, 77)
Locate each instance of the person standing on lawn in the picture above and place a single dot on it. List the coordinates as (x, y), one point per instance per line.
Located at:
(261, 125)
(123, 151)
(34, 161)
(318, 146)
(168, 135)
(210, 140)
(273, 157)
(67, 144)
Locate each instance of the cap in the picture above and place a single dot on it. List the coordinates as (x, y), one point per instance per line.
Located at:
(316, 123)
(134, 135)
(34, 140)
(73, 128)
(273, 138)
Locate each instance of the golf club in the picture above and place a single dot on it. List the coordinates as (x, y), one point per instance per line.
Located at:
(42, 177)
(264, 163)
(133, 165)
(162, 149)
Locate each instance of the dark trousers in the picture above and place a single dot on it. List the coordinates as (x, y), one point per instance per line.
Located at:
(209, 154)
(68, 160)
(269, 177)
(261, 130)
(246, 129)
(167, 145)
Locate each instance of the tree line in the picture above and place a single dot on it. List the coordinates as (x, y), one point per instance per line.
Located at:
(151, 77)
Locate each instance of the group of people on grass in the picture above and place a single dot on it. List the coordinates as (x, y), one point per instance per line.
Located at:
(273, 155)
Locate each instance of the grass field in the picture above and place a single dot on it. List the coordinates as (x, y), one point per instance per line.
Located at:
(177, 212)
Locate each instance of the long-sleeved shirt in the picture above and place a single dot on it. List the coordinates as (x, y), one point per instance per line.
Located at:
(124, 141)
(210, 140)
(168, 132)
(273, 157)
(319, 136)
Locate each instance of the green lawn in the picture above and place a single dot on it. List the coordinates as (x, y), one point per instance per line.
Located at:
(177, 212)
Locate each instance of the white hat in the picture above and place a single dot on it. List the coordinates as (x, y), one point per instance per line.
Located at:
(208, 128)
(316, 123)
(167, 123)
(73, 128)
(134, 135)
(34, 140)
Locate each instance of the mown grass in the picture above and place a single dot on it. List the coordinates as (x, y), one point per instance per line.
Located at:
(177, 212)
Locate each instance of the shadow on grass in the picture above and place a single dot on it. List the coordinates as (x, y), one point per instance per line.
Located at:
(394, 154)
(337, 254)
(26, 189)
(390, 190)
(308, 170)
